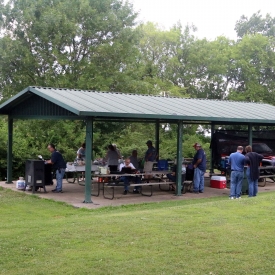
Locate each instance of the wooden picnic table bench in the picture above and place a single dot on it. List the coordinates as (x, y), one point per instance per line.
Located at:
(187, 186)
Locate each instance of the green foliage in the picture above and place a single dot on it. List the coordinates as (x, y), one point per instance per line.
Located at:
(255, 62)
(256, 24)
(97, 45)
(65, 43)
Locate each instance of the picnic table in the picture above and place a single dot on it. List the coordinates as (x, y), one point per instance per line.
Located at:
(77, 170)
(266, 172)
(109, 183)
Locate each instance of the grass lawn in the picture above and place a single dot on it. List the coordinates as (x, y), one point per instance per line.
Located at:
(207, 236)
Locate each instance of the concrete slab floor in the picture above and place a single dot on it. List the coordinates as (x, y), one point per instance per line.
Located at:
(74, 194)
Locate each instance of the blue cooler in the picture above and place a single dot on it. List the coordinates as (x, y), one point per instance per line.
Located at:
(162, 165)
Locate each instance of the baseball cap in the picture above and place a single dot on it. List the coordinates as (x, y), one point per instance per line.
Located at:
(196, 144)
(149, 142)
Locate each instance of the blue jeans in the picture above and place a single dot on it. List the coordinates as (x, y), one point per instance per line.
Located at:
(252, 184)
(126, 180)
(59, 178)
(236, 182)
(198, 180)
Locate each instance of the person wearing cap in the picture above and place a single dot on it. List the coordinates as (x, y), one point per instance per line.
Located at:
(199, 164)
(150, 157)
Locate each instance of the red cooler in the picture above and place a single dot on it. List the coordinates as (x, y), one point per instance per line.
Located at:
(218, 182)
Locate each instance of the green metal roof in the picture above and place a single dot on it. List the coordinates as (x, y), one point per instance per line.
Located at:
(132, 106)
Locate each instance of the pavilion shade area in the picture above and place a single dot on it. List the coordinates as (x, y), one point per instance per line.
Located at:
(106, 105)
(90, 106)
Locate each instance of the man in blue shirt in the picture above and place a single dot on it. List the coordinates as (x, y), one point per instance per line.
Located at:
(59, 165)
(236, 161)
(199, 164)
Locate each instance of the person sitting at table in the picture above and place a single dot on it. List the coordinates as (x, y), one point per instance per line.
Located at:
(126, 179)
(172, 176)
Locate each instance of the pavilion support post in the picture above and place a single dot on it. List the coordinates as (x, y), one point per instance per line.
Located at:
(250, 135)
(179, 159)
(92, 141)
(211, 150)
(9, 151)
(157, 137)
(88, 160)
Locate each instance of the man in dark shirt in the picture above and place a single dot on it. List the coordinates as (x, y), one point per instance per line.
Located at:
(252, 160)
(199, 164)
(59, 165)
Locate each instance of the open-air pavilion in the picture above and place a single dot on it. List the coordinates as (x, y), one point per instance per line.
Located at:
(91, 106)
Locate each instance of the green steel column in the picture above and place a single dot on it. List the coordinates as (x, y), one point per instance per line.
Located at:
(92, 140)
(88, 160)
(9, 153)
(250, 134)
(157, 137)
(179, 158)
(211, 151)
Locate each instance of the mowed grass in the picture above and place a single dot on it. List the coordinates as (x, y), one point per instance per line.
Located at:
(207, 236)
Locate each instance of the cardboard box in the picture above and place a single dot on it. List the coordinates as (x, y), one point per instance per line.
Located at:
(218, 182)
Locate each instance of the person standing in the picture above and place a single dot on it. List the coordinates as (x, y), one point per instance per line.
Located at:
(59, 165)
(117, 150)
(112, 158)
(252, 160)
(199, 164)
(81, 152)
(236, 161)
(150, 157)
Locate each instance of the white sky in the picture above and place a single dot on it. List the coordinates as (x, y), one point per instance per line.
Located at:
(211, 17)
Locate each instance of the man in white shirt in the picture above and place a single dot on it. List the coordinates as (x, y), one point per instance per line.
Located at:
(126, 179)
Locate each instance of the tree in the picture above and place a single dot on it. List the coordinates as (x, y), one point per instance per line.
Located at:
(156, 50)
(256, 24)
(211, 65)
(254, 70)
(65, 43)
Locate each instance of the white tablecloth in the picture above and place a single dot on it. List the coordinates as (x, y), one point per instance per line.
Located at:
(79, 168)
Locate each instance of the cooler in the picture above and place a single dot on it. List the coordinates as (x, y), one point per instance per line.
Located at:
(218, 182)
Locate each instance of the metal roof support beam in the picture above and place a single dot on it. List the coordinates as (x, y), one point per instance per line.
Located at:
(250, 135)
(9, 153)
(179, 158)
(88, 159)
(157, 137)
(211, 151)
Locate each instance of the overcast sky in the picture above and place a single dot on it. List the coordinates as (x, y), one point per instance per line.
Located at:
(211, 17)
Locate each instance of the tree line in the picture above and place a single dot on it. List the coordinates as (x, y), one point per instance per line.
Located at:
(99, 45)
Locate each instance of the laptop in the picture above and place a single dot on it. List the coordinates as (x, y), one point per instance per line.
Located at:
(127, 170)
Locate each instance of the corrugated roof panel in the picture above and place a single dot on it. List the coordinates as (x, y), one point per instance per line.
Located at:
(106, 104)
